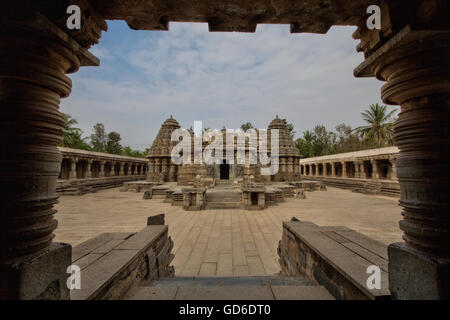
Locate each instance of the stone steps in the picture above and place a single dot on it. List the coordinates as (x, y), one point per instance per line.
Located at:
(231, 288)
(223, 205)
(230, 293)
(223, 199)
(221, 196)
(232, 281)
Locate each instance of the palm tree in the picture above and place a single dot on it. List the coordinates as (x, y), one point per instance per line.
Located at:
(73, 136)
(380, 125)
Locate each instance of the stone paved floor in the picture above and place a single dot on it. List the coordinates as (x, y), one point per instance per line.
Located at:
(225, 242)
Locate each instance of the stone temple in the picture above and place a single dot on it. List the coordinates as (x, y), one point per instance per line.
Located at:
(235, 183)
(409, 52)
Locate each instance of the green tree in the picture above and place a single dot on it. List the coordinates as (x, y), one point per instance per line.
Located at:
(98, 138)
(324, 141)
(127, 151)
(380, 126)
(290, 127)
(305, 144)
(347, 140)
(113, 145)
(72, 137)
(246, 126)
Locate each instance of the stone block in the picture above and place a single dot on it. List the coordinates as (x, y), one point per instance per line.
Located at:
(41, 278)
(335, 257)
(301, 293)
(157, 220)
(414, 275)
(152, 293)
(143, 239)
(225, 293)
(147, 195)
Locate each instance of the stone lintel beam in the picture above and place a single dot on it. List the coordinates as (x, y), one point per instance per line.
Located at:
(314, 16)
(56, 11)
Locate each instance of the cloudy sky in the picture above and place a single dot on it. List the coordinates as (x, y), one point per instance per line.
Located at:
(223, 79)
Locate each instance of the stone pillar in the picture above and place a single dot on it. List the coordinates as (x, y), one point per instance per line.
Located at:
(375, 174)
(344, 169)
(416, 68)
(151, 165)
(165, 166)
(333, 170)
(121, 169)
(199, 200)
(357, 167)
(186, 200)
(35, 57)
(261, 200)
(393, 172)
(73, 168)
(283, 165)
(88, 168)
(101, 172)
(290, 166)
(172, 173)
(157, 165)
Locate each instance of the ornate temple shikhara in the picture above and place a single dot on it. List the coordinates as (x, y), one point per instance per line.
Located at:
(226, 183)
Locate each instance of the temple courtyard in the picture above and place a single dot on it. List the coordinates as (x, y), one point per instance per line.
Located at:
(225, 242)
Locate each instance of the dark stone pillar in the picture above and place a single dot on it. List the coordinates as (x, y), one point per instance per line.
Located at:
(416, 66)
(34, 58)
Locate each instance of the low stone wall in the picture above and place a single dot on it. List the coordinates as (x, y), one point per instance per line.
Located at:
(113, 263)
(382, 187)
(82, 186)
(371, 171)
(334, 257)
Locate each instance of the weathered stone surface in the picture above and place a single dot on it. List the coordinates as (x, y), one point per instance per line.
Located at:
(94, 243)
(332, 260)
(225, 293)
(142, 239)
(147, 195)
(156, 220)
(40, 278)
(232, 15)
(97, 276)
(301, 293)
(108, 246)
(152, 293)
(414, 275)
(112, 264)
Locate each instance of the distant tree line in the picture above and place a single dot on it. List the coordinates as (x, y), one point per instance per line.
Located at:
(379, 132)
(99, 141)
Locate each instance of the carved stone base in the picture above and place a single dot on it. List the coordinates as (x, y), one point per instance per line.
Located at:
(40, 278)
(416, 275)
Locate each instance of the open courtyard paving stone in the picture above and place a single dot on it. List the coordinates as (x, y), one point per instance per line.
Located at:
(225, 242)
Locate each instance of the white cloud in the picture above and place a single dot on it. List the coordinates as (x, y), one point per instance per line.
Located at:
(224, 79)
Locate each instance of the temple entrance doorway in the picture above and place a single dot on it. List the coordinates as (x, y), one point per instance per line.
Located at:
(224, 171)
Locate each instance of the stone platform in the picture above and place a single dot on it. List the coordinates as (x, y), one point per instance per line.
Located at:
(336, 257)
(78, 187)
(225, 242)
(112, 263)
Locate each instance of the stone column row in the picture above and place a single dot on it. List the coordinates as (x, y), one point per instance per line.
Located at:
(312, 169)
(124, 170)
